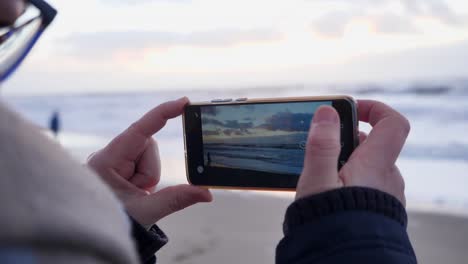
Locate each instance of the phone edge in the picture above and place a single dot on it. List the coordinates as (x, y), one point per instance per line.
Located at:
(282, 99)
(348, 98)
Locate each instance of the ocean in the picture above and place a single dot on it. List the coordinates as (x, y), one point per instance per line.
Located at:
(282, 158)
(434, 161)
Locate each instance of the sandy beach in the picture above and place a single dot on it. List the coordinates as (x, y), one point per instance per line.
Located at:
(245, 228)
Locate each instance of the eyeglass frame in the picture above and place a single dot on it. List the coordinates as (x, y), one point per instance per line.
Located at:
(47, 13)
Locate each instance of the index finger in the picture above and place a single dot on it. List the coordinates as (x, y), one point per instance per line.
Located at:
(133, 141)
(155, 119)
(387, 137)
(372, 112)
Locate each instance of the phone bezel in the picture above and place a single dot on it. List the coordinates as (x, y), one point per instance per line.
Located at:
(215, 177)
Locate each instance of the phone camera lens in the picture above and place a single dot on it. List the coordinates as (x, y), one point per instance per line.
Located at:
(200, 169)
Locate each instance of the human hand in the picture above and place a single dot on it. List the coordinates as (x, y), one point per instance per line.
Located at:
(371, 165)
(131, 166)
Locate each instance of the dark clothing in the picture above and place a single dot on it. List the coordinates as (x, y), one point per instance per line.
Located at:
(54, 123)
(148, 241)
(347, 225)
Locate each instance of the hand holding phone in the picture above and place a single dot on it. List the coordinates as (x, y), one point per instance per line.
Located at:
(131, 166)
(371, 165)
(257, 144)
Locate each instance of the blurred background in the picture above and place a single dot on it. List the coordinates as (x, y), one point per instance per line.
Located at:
(103, 63)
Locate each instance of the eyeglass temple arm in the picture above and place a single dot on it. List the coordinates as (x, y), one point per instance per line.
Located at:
(13, 29)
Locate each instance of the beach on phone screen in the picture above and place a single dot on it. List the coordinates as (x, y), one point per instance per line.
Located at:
(259, 137)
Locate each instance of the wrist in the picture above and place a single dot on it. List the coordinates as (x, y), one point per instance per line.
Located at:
(314, 207)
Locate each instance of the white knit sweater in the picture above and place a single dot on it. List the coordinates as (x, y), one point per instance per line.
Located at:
(52, 206)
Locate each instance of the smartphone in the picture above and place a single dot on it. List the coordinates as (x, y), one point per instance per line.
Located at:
(257, 144)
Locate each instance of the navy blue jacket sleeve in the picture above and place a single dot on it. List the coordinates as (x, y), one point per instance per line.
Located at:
(147, 241)
(347, 225)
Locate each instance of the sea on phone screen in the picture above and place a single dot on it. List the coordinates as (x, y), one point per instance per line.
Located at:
(260, 137)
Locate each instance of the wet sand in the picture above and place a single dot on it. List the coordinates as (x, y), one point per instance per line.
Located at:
(245, 228)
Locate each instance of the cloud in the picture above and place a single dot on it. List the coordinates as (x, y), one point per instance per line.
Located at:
(209, 110)
(211, 132)
(435, 8)
(207, 121)
(230, 127)
(287, 121)
(233, 124)
(132, 2)
(333, 24)
(237, 132)
(228, 132)
(392, 24)
(107, 43)
(236, 124)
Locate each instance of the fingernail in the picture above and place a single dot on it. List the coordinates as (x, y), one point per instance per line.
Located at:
(325, 114)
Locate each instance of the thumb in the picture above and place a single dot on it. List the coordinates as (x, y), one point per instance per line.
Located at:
(323, 148)
(172, 199)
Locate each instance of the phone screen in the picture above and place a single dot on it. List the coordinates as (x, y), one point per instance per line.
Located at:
(257, 144)
(259, 137)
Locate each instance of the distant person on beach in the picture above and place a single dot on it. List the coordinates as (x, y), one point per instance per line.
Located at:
(56, 211)
(208, 158)
(54, 123)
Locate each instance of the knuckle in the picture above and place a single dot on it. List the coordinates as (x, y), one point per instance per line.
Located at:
(346, 172)
(153, 143)
(368, 162)
(405, 125)
(149, 177)
(401, 185)
(92, 158)
(395, 176)
(399, 124)
(135, 129)
(323, 145)
(179, 201)
(176, 204)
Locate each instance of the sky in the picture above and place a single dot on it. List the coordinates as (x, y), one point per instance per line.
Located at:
(254, 120)
(126, 45)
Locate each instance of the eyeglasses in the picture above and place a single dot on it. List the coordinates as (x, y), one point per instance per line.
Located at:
(16, 41)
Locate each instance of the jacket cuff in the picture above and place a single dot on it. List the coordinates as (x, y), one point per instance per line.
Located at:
(314, 207)
(148, 242)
